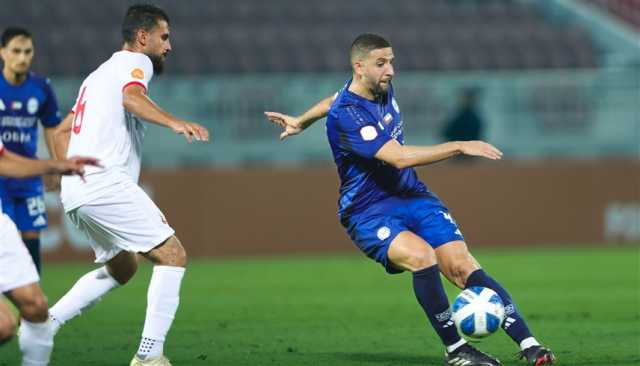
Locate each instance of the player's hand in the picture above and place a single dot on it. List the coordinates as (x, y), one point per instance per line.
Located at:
(191, 131)
(480, 148)
(291, 125)
(74, 165)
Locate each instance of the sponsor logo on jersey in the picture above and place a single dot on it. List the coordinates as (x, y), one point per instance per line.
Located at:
(16, 105)
(32, 105)
(368, 133)
(137, 74)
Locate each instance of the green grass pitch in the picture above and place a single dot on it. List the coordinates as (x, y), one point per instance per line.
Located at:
(344, 310)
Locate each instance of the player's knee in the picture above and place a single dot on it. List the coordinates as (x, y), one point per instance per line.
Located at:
(458, 272)
(7, 329)
(35, 309)
(180, 259)
(420, 260)
(124, 273)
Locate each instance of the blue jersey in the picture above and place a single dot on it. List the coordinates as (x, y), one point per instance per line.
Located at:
(22, 107)
(357, 128)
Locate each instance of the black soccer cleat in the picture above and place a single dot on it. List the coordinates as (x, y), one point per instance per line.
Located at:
(538, 356)
(467, 355)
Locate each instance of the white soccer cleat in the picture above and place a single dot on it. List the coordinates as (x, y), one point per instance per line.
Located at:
(156, 361)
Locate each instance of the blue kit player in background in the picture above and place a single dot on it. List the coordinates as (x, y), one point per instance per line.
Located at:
(389, 213)
(25, 101)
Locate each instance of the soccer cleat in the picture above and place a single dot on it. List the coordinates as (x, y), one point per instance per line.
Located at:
(537, 356)
(156, 361)
(467, 355)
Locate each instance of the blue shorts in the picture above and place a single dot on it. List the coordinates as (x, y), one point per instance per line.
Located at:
(374, 229)
(28, 213)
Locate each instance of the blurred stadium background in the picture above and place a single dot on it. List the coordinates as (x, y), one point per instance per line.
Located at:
(557, 85)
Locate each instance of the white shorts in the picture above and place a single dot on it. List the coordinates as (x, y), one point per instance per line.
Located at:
(124, 218)
(16, 266)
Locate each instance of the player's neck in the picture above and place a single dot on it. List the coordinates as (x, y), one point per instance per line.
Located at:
(361, 90)
(12, 77)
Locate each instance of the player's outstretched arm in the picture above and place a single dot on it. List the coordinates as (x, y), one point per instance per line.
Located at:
(16, 166)
(294, 125)
(136, 101)
(401, 156)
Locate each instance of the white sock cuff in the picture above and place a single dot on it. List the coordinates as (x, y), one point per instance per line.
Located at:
(168, 269)
(41, 326)
(528, 342)
(102, 272)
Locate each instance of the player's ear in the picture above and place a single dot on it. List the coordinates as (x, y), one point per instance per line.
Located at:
(141, 36)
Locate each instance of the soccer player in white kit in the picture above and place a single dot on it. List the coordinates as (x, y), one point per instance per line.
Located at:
(18, 275)
(109, 206)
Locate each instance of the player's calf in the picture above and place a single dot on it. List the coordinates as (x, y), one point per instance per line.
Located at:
(7, 323)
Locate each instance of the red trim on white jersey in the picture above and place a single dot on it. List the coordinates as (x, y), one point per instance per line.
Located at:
(136, 83)
(2, 150)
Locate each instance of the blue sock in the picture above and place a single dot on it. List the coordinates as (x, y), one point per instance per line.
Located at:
(33, 246)
(514, 324)
(430, 294)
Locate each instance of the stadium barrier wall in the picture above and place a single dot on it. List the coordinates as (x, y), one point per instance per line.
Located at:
(248, 212)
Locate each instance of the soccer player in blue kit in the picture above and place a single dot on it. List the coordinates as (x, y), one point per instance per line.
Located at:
(25, 100)
(390, 214)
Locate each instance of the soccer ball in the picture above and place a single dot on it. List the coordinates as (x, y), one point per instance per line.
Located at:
(478, 312)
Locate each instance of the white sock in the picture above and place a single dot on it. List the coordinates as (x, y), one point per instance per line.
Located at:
(85, 293)
(456, 345)
(36, 342)
(162, 303)
(528, 342)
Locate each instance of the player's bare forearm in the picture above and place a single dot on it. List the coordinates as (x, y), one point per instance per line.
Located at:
(137, 102)
(50, 139)
(318, 111)
(401, 156)
(60, 136)
(16, 166)
(295, 125)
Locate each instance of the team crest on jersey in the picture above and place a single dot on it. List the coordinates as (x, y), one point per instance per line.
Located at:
(137, 74)
(395, 105)
(2, 107)
(16, 105)
(368, 133)
(383, 233)
(32, 105)
(387, 118)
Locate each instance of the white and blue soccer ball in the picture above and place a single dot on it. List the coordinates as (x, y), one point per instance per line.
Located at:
(478, 312)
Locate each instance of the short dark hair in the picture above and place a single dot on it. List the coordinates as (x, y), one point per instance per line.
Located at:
(367, 42)
(13, 32)
(141, 16)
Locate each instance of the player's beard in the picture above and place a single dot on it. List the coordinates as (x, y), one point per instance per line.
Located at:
(158, 64)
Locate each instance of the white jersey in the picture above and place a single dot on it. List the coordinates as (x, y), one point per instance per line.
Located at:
(103, 129)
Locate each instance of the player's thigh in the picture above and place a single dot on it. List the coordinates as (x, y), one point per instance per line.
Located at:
(374, 234)
(169, 253)
(7, 322)
(456, 262)
(31, 302)
(433, 222)
(31, 214)
(16, 266)
(126, 220)
(410, 252)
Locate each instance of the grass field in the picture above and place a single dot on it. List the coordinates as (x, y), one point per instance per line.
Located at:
(344, 310)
